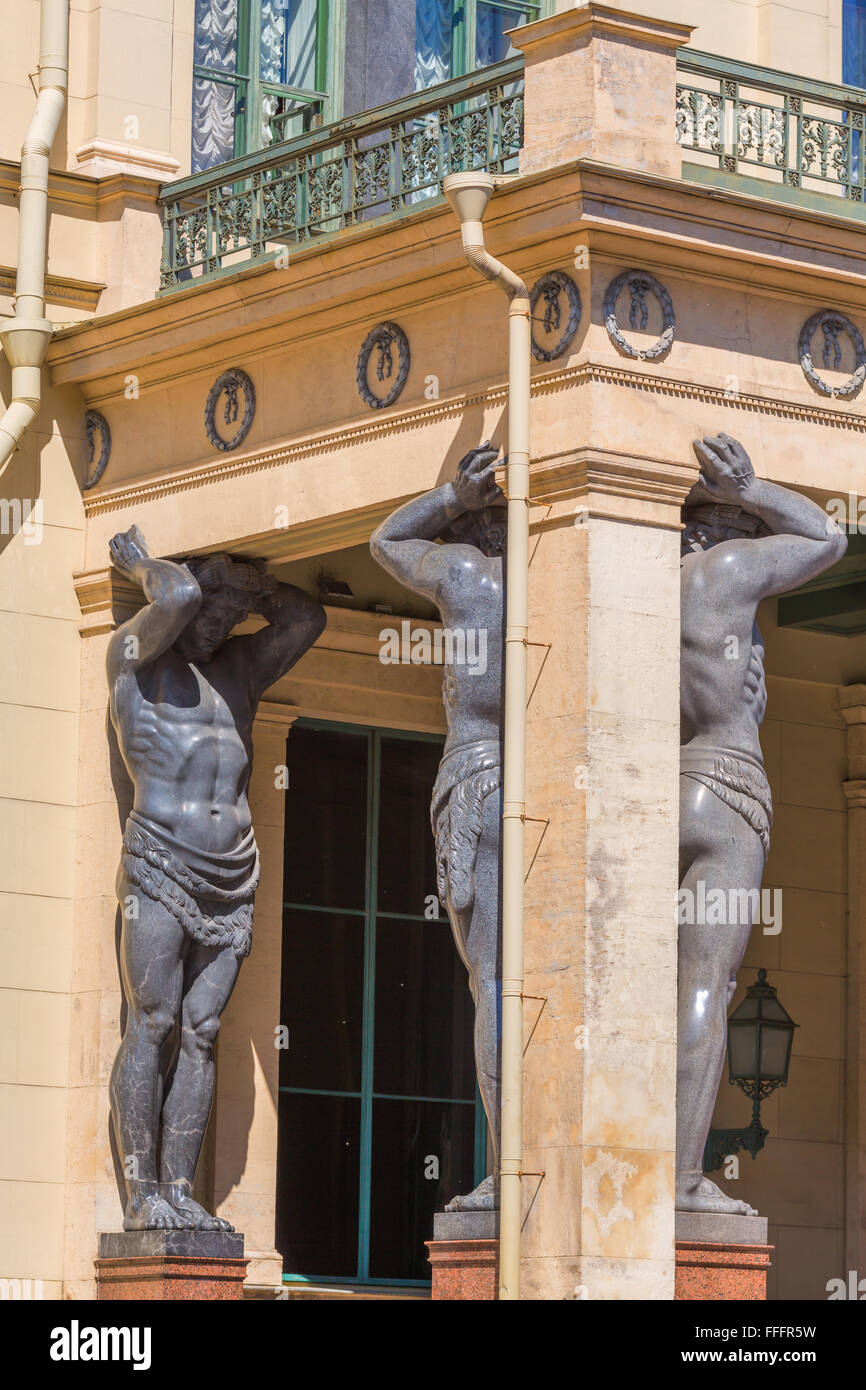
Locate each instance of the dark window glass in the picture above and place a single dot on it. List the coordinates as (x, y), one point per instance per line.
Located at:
(407, 857)
(326, 818)
(409, 1139)
(423, 1044)
(322, 1000)
(317, 1184)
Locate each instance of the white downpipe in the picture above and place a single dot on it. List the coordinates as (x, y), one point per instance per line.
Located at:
(26, 336)
(469, 195)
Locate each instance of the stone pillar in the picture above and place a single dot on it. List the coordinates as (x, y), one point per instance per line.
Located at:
(600, 84)
(852, 704)
(130, 88)
(603, 770)
(247, 1089)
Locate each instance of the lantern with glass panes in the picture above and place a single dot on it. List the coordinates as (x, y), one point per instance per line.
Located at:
(760, 1037)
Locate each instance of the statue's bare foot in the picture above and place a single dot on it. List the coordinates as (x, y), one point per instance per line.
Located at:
(482, 1199)
(147, 1211)
(700, 1194)
(192, 1213)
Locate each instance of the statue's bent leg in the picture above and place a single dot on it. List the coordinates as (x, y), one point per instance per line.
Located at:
(480, 950)
(209, 979)
(719, 851)
(151, 949)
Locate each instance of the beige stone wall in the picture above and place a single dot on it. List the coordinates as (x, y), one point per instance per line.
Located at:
(39, 726)
(130, 83)
(801, 36)
(611, 437)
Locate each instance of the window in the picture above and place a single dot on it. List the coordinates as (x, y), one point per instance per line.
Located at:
(453, 37)
(258, 74)
(854, 42)
(379, 1118)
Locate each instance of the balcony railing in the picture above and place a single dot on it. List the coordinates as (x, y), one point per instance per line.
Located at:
(381, 164)
(804, 137)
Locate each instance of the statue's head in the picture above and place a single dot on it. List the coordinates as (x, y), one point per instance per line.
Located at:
(709, 523)
(484, 522)
(486, 529)
(231, 588)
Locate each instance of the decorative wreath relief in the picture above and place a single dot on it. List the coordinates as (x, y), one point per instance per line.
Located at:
(833, 324)
(231, 382)
(96, 424)
(549, 290)
(383, 338)
(639, 284)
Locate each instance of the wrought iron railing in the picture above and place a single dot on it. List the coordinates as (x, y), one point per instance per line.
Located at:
(383, 163)
(804, 136)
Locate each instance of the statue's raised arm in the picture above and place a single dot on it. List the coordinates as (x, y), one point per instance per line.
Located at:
(800, 539)
(404, 544)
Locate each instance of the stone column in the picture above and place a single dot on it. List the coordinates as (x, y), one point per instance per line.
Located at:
(852, 704)
(600, 83)
(246, 1102)
(603, 770)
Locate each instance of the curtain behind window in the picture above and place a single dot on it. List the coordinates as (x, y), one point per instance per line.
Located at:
(213, 102)
(433, 21)
(854, 42)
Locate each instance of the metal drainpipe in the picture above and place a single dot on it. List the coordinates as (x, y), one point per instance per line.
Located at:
(468, 195)
(26, 336)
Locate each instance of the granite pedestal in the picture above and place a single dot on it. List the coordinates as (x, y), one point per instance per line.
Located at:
(167, 1265)
(464, 1254)
(720, 1257)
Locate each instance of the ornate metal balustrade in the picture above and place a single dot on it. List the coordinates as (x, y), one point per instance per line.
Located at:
(384, 163)
(740, 120)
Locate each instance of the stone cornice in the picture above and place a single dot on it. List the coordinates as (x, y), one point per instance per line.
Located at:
(402, 265)
(107, 599)
(611, 485)
(59, 289)
(82, 190)
(271, 713)
(568, 26)
(347, 529)
(852, 703)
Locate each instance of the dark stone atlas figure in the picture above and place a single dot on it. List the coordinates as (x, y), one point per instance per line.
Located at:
(183, 699)
(744, 540)
(464, 578)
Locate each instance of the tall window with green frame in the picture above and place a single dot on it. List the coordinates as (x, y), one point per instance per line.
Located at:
(380, 1122)
(453, 37)
(259, 72)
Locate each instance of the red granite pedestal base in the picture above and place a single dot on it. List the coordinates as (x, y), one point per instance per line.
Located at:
(712, 1270)
(464, 1269)
(167, 1277)
(170, 1265)
(464, 1253)
(721, 1256)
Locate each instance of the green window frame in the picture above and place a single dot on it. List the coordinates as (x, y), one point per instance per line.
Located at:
(464, 56)
(372, 913)
(251, 92)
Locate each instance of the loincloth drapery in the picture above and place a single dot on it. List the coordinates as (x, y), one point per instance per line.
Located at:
(466, 776)
(736, 779)
(209, 895)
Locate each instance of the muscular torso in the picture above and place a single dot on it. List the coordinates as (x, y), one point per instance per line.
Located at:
(185, 736)
(471, 598)
(722, 691)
